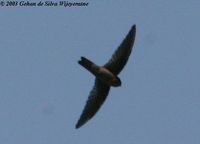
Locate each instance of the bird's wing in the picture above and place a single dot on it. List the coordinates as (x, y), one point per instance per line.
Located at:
(121, 55)
(96, 98)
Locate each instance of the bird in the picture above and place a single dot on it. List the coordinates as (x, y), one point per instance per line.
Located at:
(106, 76)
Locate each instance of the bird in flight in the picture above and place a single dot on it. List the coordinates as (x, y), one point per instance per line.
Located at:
(105, 76)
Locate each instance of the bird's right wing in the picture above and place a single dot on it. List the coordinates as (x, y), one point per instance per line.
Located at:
(96, 98)
(121, 55)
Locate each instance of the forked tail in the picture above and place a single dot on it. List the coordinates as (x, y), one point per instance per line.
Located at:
(90, 66)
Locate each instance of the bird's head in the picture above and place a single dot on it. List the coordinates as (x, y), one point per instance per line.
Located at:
(117, 82)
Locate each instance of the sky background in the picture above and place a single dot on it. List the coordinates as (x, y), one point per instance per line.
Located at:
(43, 89)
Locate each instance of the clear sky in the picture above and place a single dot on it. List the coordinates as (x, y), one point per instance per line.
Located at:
(43, 89)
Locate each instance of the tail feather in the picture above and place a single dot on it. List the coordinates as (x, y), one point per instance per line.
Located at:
(86, 63)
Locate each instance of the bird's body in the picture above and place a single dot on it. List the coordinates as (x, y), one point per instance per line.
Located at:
(106, 76)
(100, 72)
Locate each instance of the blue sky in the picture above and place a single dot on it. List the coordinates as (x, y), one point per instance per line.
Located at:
(43, 90)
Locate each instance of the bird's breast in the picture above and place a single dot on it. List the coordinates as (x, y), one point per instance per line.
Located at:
(108, 77)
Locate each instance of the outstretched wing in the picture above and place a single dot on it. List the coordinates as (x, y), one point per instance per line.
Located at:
(121, 55)
(96, 98)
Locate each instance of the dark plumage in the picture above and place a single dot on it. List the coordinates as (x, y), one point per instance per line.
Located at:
(106, 76)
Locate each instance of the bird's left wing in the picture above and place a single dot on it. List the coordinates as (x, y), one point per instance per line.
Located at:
(96, 98)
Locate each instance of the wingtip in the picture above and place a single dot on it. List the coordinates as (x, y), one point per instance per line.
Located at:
(132, 32)
(134, 27)
(79, 124)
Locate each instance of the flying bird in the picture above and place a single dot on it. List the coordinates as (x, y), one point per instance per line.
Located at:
(106, 76)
